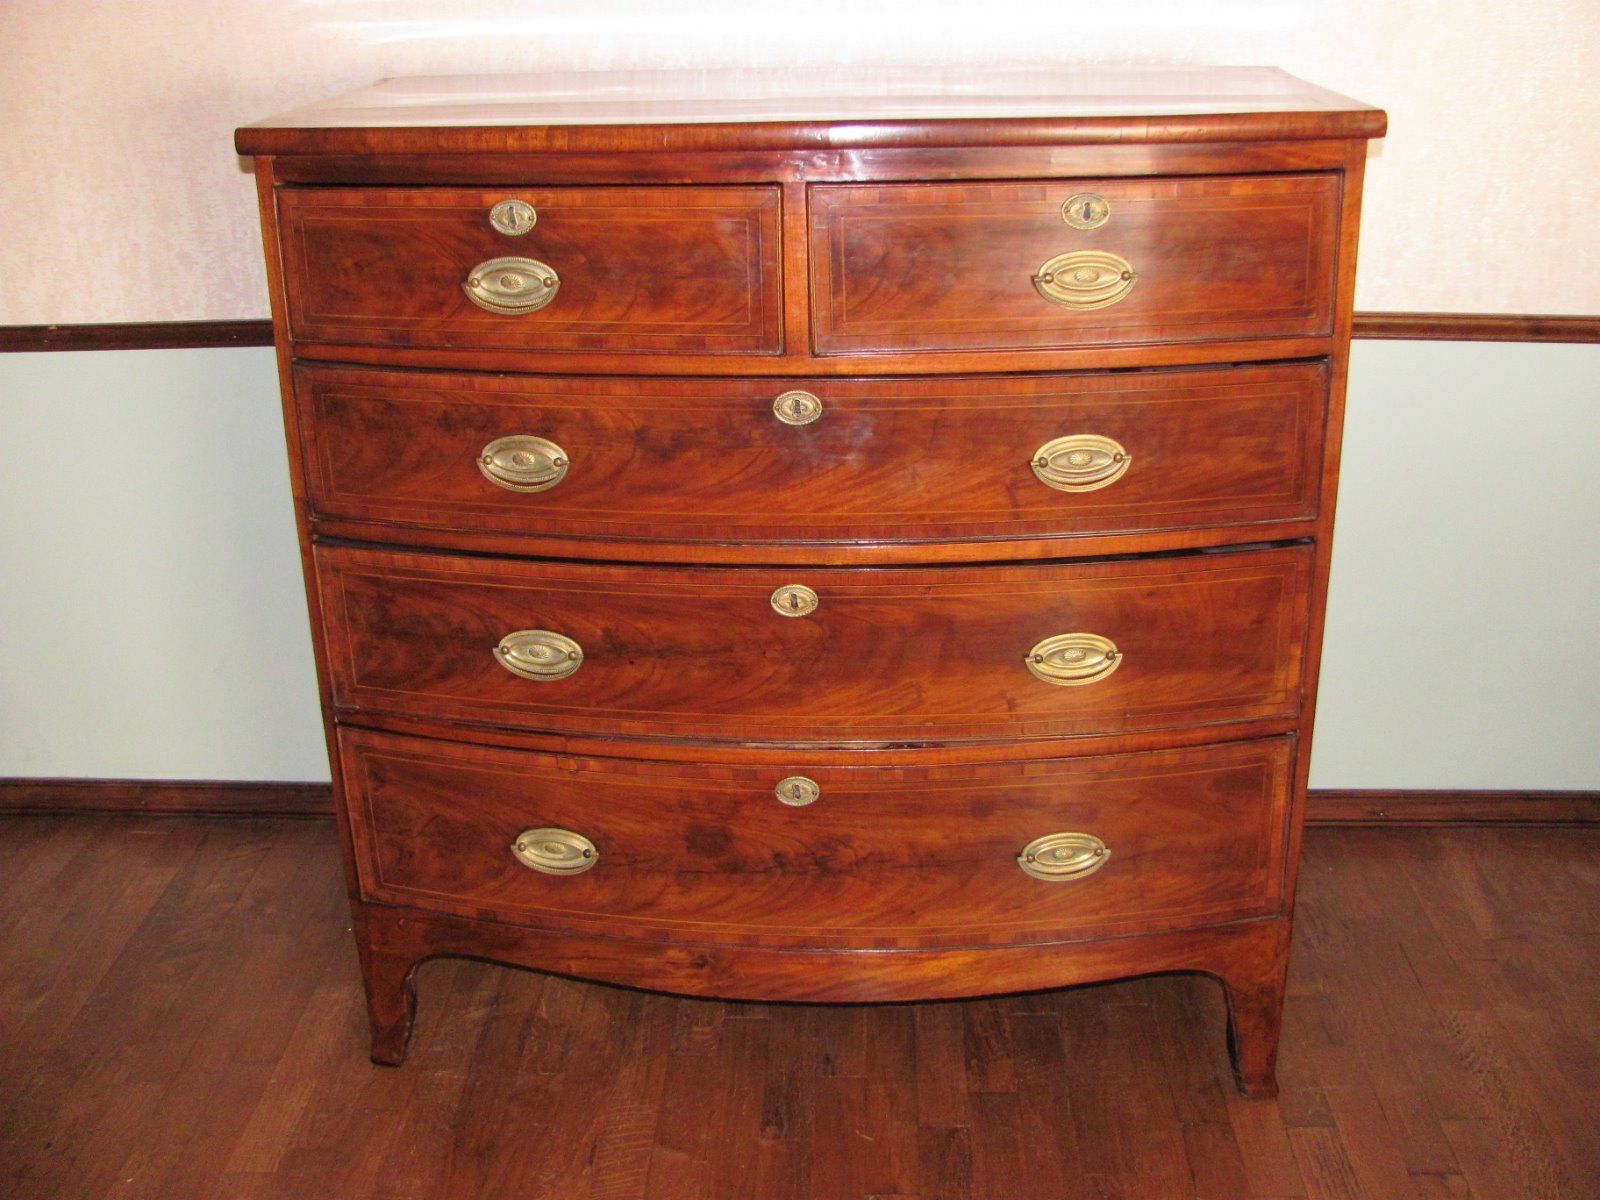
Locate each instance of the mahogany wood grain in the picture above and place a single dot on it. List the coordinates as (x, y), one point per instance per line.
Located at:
(799, 363)
(893, 654)
(878, 164)
(887, 857)
(707, 461)
(951, 266)
(727, 109)
(640, 269)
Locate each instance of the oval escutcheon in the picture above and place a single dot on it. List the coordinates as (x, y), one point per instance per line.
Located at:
(512, 285)
(797, 408)
(539, 654)
(1085, 279)
(1060, 856)
(1081, 462)
(552, 851)
(1072, 659)
(797, 791)
(523, 463)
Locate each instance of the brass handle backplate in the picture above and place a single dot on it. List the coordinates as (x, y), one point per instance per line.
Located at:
(1081, 462)
(523, 463)
(1060, 856)
(512, 285)
(539, 654)
(797, 791)
(794, 600)
(797, 408)
(552, 851)
(1071, 659)
(1085, 279)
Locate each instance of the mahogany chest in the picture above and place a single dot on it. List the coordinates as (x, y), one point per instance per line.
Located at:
(841, 548)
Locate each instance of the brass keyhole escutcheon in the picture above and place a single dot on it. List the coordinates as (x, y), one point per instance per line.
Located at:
(1086, 210)
(797, 791)
(797, 408)
(513, 217)
(794, 600)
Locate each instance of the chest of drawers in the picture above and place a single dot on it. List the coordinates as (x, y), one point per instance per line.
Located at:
(854, 549)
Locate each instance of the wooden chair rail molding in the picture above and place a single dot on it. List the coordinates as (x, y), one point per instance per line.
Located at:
(193, 335)
(1328, 806)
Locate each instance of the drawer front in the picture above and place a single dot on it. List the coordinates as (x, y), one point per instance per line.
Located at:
(883, 855)
(801, 655)
(969, 266)
(622, 269)
(716, 460)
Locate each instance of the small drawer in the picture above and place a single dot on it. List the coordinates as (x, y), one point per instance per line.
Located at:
(798, 655)
(996, 853)
(615, 269)
(1071, 263)
(814, 460)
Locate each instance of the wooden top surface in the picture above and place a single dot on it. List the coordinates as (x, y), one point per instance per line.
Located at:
(814, 108)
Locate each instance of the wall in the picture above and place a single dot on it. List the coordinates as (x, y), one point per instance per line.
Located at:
(152, 624)
(124, 201)
(151, 619)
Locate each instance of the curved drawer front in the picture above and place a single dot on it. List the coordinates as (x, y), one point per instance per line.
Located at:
(801, 655)
(968, 266)
(883, 856)
(710, 460)
(620, 269)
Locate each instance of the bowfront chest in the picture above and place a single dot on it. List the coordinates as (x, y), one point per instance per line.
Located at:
(852, 548)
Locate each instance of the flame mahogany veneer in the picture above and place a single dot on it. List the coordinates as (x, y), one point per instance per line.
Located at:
(794, 669)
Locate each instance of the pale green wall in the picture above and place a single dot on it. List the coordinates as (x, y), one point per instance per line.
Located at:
(1463, 637)
(152, 623)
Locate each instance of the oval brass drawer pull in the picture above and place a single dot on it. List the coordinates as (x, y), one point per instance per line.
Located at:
(794, 600)
(1081, 462)
(797, 408)
(554, 851)
(1085, 279)
(797, 791)
(539, 654)
(523, 463)
(1070, 659)
(1060, 856)
(512, 285)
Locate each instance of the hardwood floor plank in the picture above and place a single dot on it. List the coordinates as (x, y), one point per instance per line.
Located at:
(180, 1015)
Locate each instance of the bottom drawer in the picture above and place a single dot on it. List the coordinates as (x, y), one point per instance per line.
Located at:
(883, 856)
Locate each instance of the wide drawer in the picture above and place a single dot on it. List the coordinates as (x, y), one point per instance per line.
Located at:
(1163, 840)
(718, 460)
(968, 266)
(616, 269)
(799, 655)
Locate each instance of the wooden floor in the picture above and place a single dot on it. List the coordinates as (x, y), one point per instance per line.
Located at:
(180, 1018)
